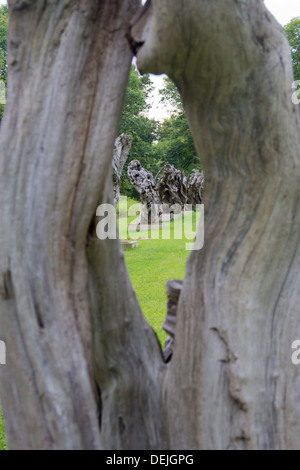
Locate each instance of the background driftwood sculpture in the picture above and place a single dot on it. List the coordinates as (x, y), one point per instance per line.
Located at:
(122, 148)
(145, 184)
(195, 188)
(175, 188)
(170, 188)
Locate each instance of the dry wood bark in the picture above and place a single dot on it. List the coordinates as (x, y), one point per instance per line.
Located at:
(239, 308)
(68, 69)
(168, 189)
(84, 369)
(175, 188)
(144, 182)
(122, 148)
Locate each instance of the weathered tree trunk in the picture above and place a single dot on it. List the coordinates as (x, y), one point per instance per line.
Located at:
(68, 68)
(167, 190)
(84, 369)
(144, 182)
(175, 188)
(239, 310)
(122, 148)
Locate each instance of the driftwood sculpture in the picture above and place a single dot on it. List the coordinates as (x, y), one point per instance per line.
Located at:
(175, 188)
(170, 188)
(195, 188)
(84, 370)
(121, 151)
(145, 184)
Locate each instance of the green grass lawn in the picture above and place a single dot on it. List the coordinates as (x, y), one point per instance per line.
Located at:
(155, 262)
(150, 266)
(3, 443)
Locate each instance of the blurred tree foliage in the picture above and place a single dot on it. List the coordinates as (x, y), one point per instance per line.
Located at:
(292, 30)
(155, 143)
(140, 129)
(175, 143)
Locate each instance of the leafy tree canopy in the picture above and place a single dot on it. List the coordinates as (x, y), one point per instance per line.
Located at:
(170, 94)
(4, 20)
(293, 34)
(175, 143)
(134, 123)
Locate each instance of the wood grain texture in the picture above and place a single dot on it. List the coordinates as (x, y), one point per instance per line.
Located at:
(85, 371)
(68, 69)
(239, 309)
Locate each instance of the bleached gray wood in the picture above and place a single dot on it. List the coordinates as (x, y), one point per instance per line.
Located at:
(231, 382)
(122, 148)
(68, 69)
(84, 370)
(144, 182)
